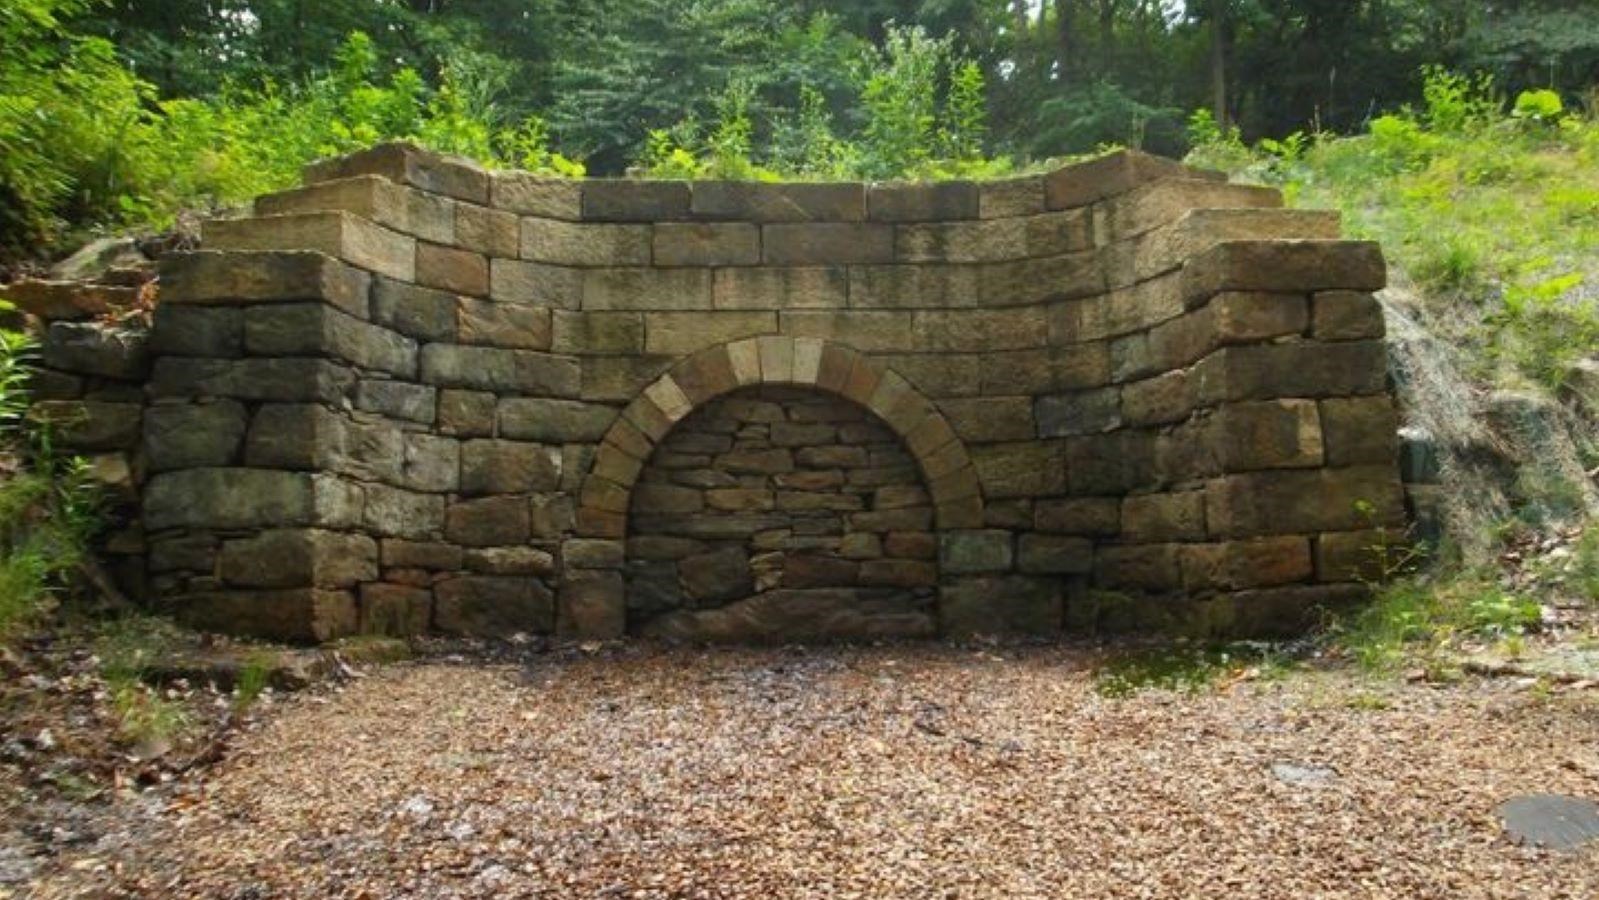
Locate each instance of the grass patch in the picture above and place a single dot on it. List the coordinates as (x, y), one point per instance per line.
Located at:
(1188, 669)
(1415, 619)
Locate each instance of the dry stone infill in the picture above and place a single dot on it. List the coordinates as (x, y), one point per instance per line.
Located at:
(414, 395)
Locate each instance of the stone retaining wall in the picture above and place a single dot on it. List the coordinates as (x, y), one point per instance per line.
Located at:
(413, 395)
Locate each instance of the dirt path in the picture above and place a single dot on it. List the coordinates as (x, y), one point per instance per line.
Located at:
(926, 772)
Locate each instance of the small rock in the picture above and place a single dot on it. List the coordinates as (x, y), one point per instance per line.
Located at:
(1550, 820)
(1303, 776)
(418, 807)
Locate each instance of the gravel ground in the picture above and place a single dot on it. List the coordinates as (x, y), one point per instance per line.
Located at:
(881, 772)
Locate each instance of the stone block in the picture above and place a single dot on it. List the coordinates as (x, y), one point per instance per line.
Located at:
(910, 545)
(585, 245)
(598, 332)
(192, 435)
(1290, 266)
(1367, 556)
(509, 560)
(368, 196)
(921, 201)
(296, 616)
(180, 330)
(788, 202)
(914, 286)
(337, 234)
(646, 289)
(1295, 369)
(508, 467)
(791, 287)
(466, 413)
(514, 281)
(308, 329)
(1346, 316)
(229, 498)
(1109, 175)
(900, 573)
(212, 277)
(487, 231)
(1272, 434)
(292, 558)
(1044, 370)
(1236, 565)
(1153, 518)
(1165, 200)
(536, 195)
(1081, 412)
(1304, 501)
(430, 217)
(980, 329)
(826, 243)
(1360, 430)
(1238, 318)
(629, 200)
(1054, 554)
(593, 605)
(587, 553)
(1109, 464)
(396, 512)
(397, 400)
(493, 606)
(419, 312)
(675, 333)
(707, 244)
(1003, 197)
(500, 370)
(490, 522)
(89, 424)
(554, 421)
(500, 324)
(53, 300)
(864, 331)
(408, 164)
(395, 610)
(1008, 604)
(1047, 279)
(990, 419)
(430, 463)
(313, 437)
(969, 552)
(433, 556)
(1092, 516)
(452, 269)
(1154, 568)
(92, 348)
(717, 577)
(1160, 400)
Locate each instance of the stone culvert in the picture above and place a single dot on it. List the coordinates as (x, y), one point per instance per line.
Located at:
(414, 395)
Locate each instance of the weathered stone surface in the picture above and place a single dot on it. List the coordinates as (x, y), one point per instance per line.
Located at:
(570, 244)
(554, 421)
(599, 332)
(497, 369)
(921, 201)
(396, 610)
(309, 329)
(680, 333)
(793, 287)
(646, 289)
(967, 552)
(1346, 316)
(503, 467)
(297, 616)
(89, 424)
(1021, 469)
(398, 399)
(515, 281)
(788, 202)
(1297, 369)
(551, 198)
(1008, 604)
(289, 380)
(839, 614)
(1304, 501)
(466, 413)
(452, 269)
(1152, 568)
(1360, 430)
(419, 312)
(211, 277)
(90, 348)
(1082, 412)
(1164, 517)
(1107, 176)
(718, 576)
(707, 244)
(1291, 266)
(431, 555)
(510, 561)
(407, 164)
(503, 324)
(593, 605)
(490, 522)
(192, 435)
(338, 234)
(180, 330)
(1053, 554)
(487, 231)
(248, 498)
(397, 512)
(826, 243)
(493, 606)
(292, 558)
(1262, 562)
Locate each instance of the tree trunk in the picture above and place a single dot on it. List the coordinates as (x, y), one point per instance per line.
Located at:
(1065, 38)
(1220, 29)
(1107, 34)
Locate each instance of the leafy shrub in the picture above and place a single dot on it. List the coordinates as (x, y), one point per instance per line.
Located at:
(1541, 107)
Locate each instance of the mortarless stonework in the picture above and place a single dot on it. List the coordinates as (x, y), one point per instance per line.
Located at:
(414, 395)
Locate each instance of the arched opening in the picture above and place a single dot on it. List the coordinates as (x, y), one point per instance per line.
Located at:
(781, 512)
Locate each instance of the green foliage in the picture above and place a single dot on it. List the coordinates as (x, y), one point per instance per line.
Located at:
(899, 100)
(1417, 617)
(1542, 107)
(1188, 669)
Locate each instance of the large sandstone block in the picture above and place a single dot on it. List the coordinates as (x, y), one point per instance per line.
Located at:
(452, 269)
(1065, 276)
(91, 348)
(593, 605)
(1166, 200)
(1081, 412)
(1236, 565)
(1152, 568)
(1361, 430)
(487, 231)
(515, 281)
(972, 552)
(1294, 369)
(646, 289)
(397, 400)
(400, 513)
(789, 287)
(1347, 316)
(921, 201)
(418, 312)
(1112, 174)
(1153, 518)
(311, 329)
(211, 277)
(506, 467)
(677, 334)
(337, 234)
(494, 606)
(961, 330)
(500, 370)
(750, 201)
(490, 522)
(554, 421)
(1007, 604)
(180, 330)
(89, 424)
(1304, 501)
(292, 558)
(586, 245)
(1271, 434)
(192, 435)
(1168, 248)
(395, 610)
(1054, 554)
(707, 244)
(368, 196)
(497, 323)
(300, 615)
(536, 195)
(410, 165)
(226, 498)
(827, 243)
(629, 200)
(1284, 266)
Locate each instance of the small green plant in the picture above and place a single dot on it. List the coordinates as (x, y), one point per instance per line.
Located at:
(1539, 107)
(1585, 565)
(1189, 669)
(252, 681)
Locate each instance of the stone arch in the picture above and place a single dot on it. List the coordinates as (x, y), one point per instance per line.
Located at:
(829, 367)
